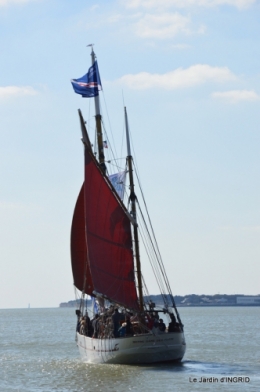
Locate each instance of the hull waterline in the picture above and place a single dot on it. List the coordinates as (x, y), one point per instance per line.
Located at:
(146, 348)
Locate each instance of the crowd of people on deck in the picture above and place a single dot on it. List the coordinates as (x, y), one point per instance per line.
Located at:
(115, 324)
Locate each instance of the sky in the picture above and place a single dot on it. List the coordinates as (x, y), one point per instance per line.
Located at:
(188, 72)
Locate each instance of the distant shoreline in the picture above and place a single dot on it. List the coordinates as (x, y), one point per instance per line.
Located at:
(189, 306)
(192, 300)
(216, 305)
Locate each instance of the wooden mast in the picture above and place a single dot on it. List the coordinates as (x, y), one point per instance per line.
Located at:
(101, 156)
(133, 213)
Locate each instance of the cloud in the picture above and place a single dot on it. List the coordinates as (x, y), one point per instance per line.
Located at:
(240, 4)
(166, 25)
(180, 46)
(252, 228)
(179, 78)
(94, 7)
(7, 205)
(115, 18)
(5, 3)
(235, 96)
(15, 91)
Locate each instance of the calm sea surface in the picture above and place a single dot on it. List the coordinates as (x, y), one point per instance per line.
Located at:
(38, 353)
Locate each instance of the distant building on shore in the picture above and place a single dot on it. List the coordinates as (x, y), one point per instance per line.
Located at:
(248, 300)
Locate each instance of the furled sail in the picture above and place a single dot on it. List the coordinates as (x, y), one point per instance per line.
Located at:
(109, 240)
(80, 268)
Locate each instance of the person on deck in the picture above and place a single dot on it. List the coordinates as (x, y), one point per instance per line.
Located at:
(95, 326)
(150, 321)
(79, 316)
(88, 326)
(155, 329)
(161, 326)
(128, 328)
(116, 321)
(173, 325)
(122, 330)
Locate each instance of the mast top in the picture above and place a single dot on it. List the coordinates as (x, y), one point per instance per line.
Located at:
(92, 54)
(127, 134)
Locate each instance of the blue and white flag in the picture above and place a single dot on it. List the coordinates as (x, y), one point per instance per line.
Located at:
(118, 182)
(89, 85)
(94, 306)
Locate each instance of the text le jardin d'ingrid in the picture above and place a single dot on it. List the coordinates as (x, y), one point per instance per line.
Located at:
(234, 380)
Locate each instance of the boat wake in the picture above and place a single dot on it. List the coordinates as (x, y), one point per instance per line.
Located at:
(206, 369)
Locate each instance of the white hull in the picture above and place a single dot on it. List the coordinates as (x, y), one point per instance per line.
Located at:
(145, 348)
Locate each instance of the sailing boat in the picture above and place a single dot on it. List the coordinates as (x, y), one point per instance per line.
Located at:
(127, 327)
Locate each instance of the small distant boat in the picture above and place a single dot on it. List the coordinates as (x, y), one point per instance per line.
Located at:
(127, 326)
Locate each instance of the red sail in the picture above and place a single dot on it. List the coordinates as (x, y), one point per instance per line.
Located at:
(109, 239)
(79, 264)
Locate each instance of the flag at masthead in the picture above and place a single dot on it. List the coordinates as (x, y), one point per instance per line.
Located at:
(89, 85)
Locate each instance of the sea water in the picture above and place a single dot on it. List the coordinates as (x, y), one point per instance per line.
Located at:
(38, 353)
